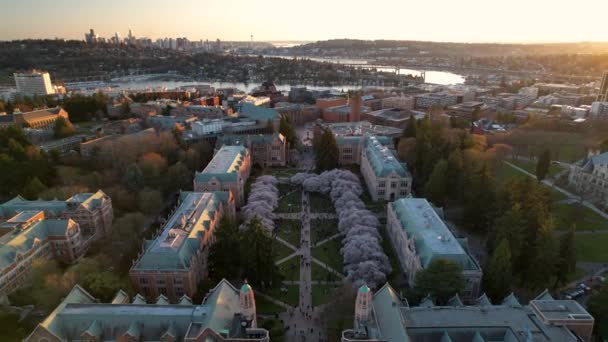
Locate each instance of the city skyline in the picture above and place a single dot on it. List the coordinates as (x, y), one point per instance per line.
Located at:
(473, 21)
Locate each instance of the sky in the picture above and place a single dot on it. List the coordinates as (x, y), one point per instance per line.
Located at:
(280, 20)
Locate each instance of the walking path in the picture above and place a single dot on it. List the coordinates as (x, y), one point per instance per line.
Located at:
(303, 323)
(320, 243)
(565, 192)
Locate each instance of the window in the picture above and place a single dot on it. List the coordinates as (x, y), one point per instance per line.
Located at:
(382, 184)
(178, 280)
(160, 281)
(143, 280)
(179, 291)
(162, 290)
(393, 184)
(381, 192)
(403, 184)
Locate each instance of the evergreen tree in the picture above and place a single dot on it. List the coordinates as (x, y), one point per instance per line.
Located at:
(410, 130)
(258, 256)
(541, 270)
(436, 188)
(125, 109)
(510, 227)
(479, 200)
(567, 256)
(63, 128)
(542, 165)
(442, 279)
(133, 178)
(598, 308)
(225, 254)
(286, 128)
(33, 189)
(327, 153)
(498, 273)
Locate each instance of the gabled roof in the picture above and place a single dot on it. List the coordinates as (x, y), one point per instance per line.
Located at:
(179, 239)
(257, 113)
(455, 301)
(511, 300)
(483, 301)
(432, 238)
(382, 159)
(224, 166)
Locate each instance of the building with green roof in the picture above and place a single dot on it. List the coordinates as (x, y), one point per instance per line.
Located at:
(92, 211)
(386, 177)
(175, 261)
(419, 236)
(81, 317)
(544, 319)
(30, 235)
(227, 171)
(267, 150)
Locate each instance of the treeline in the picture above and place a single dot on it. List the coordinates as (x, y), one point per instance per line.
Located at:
(456, 170)
(79, 107)
(24, 169)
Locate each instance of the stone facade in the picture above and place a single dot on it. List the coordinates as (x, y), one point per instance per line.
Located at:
(590, 178)
(267, 150)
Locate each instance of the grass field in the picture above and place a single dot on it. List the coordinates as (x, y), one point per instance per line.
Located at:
(565, 215)
(286, 293)
(321, 229)
(321, 274)
(290, 199)
(291, 269)
(281, 251)
(530, 166)
(321, 293)
(320, 203)
(266, 307)
(329, 253)
(288, 230)
(592, 247)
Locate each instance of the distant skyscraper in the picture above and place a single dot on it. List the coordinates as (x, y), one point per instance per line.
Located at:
(91, 37)
(33, 83)
(603, 94)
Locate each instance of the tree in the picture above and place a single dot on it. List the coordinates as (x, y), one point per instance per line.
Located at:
(436, 188)
(257, 251)
(133, 178)
(63, 128)
(326, 152)
(542, 165)
(442, 279)
(510, 227)
(150, 201)
(178, 178)
(225, 254)
(33, 189)
(567, 255)
(125, 109)
(598, 308)
(541, 271)
(410, 130)
(479, 200)
(166, 111)
(286, 128)
(497, 275)
(152, 166)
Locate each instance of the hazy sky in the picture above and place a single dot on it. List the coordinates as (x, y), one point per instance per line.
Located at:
(437, 20)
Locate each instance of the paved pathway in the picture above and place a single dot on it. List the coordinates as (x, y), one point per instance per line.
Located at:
(303, 322)
(565, 192)
(322, 242)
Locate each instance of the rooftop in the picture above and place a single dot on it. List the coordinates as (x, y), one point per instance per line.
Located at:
(257, 113)
(180, 236)
(432, 237)
(362, 128)
(224, 165)
(382, 159)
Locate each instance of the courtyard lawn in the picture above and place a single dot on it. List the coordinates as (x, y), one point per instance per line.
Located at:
(329, 253)
(288, 230)
(530, 166)
(282, 172)
(266, 307)
(592, 248)
(321, 229)
(288, 294)
(290, 269)
(281, 251)
(320, 203)
(290, 199)
(321, 274)
(505, 172)
(565, 215)
(322, 293)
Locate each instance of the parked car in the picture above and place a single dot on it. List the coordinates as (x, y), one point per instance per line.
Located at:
(574, 294)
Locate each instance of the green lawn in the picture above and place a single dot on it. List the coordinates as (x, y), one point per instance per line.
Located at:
(320, 203)
(286, 293)
(565, 215)
(321, 293)
(321, 274)
(281, 251)
(530, 166)
(504, 173)
(290, 199)
(321, 229)
(291, 269)
(282, 172)
(592, 247)
(329, 253)
(266, 307)
(288, 230)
